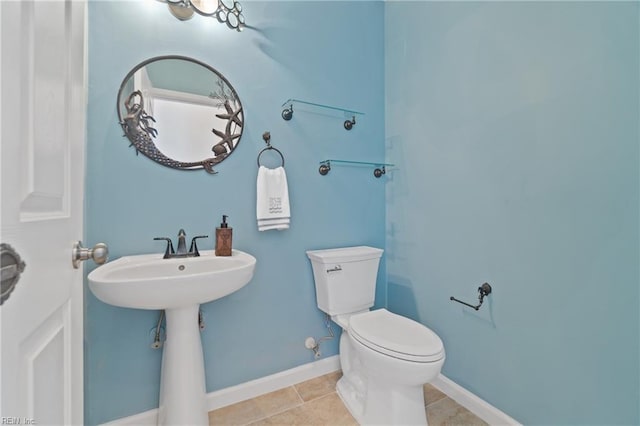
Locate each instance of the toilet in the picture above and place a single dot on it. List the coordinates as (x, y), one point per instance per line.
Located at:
(385, 358)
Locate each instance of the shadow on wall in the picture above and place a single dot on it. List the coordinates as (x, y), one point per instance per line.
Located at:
(402, 300)
(401, 297)
(484, 315)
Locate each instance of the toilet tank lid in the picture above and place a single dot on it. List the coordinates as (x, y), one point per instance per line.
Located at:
(345, 254)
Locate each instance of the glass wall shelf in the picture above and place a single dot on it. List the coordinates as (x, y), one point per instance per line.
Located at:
(380, 168)
(287, 112)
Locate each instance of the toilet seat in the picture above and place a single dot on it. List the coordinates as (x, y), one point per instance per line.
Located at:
(396, 336)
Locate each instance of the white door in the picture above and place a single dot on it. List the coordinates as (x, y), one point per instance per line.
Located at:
(42, 70)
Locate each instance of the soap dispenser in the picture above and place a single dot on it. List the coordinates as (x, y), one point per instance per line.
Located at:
(224, 235)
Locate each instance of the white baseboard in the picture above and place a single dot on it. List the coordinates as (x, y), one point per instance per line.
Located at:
(244, 391)
(273, 382)
(473, 403)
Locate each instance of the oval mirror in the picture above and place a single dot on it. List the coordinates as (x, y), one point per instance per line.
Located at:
(180, 113)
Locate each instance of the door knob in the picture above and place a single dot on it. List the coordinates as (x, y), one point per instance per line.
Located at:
(11, 267)
(99, 253)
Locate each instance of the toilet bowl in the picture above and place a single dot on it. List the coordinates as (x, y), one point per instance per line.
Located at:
(385, 358)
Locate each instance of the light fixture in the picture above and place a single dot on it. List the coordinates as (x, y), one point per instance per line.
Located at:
(226, 11)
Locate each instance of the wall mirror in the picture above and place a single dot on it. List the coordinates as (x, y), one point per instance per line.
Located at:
(180, 113)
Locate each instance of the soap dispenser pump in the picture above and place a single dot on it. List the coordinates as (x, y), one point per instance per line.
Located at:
(224, 236)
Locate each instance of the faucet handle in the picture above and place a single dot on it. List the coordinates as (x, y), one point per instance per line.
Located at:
(194, 247)
(169, 251)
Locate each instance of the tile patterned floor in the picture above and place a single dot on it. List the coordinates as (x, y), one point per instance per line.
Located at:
(315, 402)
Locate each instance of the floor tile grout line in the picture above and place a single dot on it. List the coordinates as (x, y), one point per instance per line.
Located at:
(299, 404)
(321, 396)
(331, 390)
(290, 408)
(318, 396)
(295, 388)
(428, 403)
(263, 416)
(438, 401)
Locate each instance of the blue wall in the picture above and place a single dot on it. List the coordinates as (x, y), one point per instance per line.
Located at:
(302, 50)
(514, 126)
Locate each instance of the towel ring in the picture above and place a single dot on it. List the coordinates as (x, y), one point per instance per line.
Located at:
(267, 139)
(268, 148)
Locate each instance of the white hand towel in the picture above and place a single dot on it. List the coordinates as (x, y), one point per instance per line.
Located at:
(272, 203)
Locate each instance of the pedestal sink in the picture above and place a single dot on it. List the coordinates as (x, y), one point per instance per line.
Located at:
(179, 286)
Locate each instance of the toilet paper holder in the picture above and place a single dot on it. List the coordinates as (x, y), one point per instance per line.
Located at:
(483, 290)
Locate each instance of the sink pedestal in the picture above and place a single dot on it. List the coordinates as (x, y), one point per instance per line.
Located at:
(179, 286)
(182, 381)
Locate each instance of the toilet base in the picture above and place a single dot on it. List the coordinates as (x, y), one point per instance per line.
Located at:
(383, 404)
(382, 390)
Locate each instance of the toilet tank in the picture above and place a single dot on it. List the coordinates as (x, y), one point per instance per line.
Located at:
(345, 278)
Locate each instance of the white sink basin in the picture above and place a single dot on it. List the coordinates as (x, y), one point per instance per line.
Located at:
(178, 286)
(148, 281)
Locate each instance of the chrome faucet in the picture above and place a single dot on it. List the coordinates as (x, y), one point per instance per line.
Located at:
(182, 246)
